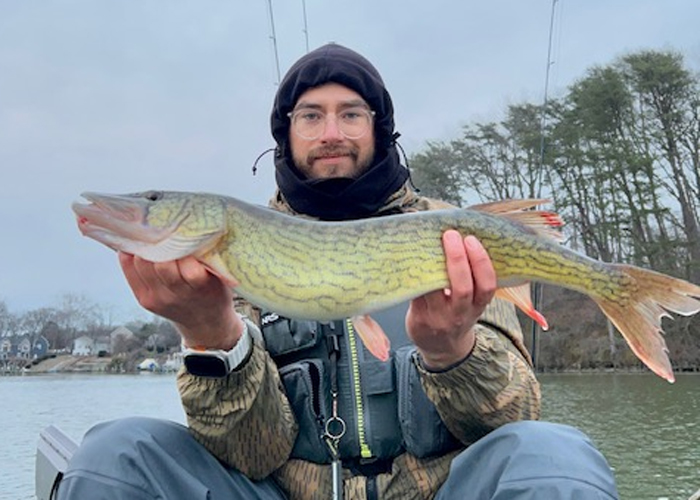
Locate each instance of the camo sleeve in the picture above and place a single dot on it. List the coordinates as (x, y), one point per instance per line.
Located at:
(493, 386)
(244, 419)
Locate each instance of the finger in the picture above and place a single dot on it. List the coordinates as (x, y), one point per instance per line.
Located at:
(128, 265)
(169, 274)
(483, 273)
(193, 272)
(459, 272)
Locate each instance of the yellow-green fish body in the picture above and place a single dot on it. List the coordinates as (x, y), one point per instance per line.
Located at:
(302, 268)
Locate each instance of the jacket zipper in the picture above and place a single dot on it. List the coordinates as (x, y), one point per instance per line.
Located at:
(365, 451)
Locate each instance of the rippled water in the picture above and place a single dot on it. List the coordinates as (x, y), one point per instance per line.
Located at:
(73, 403)
(648, 429)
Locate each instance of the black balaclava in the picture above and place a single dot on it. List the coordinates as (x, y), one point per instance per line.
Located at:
(337, 199)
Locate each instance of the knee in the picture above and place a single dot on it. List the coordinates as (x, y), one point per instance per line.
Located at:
(115, 444)
(540, 437)
(550, 443)
(530, 452)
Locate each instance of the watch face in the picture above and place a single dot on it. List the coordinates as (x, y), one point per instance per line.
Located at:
(206, 366)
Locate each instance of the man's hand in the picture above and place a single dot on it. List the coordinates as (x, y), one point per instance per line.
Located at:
(185, 292)
(441, 323)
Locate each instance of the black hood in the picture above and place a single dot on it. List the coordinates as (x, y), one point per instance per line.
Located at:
(336, 199)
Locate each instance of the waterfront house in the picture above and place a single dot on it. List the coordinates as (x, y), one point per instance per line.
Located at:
(22, 347)
(40, 347)
(83, 346)
(103, 346)
(119, 338)
(5, 348)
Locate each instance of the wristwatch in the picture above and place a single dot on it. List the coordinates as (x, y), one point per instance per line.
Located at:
(217, 363)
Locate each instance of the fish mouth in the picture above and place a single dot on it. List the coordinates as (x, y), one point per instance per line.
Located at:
(112, 219)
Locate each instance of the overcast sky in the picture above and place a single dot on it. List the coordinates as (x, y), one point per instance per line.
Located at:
(139, 94)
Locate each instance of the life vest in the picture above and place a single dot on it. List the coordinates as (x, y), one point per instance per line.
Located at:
(382, 410)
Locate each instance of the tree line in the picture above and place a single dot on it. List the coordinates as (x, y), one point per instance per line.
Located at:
(619, 157)
(76, 316)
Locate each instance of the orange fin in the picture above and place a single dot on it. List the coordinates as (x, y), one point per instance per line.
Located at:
(542, 222)
(520, 296)
(372, 336)
(216, 265)
(645, 300)
(509, 206)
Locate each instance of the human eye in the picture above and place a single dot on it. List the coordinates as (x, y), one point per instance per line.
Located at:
(352, 115)
(309, 116)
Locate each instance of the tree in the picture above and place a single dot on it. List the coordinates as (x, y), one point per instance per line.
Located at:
(668, 101)
(620, 156)
(436, 173)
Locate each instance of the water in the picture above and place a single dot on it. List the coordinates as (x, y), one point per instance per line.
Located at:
(74, 403)
(648, 429)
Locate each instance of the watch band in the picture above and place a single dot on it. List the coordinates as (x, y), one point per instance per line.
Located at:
(241, 350)
(217, 363)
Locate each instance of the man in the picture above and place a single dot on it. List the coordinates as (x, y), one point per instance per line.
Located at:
(301, 410)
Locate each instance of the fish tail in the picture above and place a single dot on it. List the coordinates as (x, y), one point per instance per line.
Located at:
(646, 298)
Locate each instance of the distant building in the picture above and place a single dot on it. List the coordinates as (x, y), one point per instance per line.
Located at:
(119, 337)
(103, 346)
(40, 347)
(22, 347)
(83, 346)
(5, 348)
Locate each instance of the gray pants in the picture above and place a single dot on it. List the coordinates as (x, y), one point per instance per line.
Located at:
(141, 458)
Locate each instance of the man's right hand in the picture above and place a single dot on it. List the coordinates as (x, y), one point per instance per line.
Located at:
(185, 292)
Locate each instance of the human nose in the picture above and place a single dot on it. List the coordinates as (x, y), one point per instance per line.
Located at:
(331, 129)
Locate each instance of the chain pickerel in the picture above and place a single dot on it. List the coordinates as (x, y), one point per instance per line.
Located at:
(304, 269)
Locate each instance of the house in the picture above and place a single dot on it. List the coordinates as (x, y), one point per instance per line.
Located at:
(103, 345)
(83, 346)
(40, 347)
(23, 349)
(5, 348)
(119, 337)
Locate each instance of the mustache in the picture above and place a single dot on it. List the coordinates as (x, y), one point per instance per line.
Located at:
(329, 151)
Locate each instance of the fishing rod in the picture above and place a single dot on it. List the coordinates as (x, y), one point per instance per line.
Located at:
(537, 287)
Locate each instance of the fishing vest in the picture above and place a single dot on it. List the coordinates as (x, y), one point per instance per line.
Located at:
(381, 409)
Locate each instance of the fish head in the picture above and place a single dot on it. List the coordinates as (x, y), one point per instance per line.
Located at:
(155, 225)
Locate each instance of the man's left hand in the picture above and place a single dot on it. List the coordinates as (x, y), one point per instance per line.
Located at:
(441, 323)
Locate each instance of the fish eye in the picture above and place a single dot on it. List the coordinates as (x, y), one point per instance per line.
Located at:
(153, 195)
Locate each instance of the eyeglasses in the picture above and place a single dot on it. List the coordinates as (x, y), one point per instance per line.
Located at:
(309, 123)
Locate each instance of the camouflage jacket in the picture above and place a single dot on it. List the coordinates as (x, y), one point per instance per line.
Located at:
(247, 422)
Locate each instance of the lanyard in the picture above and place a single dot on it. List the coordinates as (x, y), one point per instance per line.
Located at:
(335, 426)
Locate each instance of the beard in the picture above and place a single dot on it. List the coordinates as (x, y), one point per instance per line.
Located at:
(360, 161)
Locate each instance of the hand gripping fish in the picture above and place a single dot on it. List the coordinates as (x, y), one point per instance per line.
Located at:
(333, 270)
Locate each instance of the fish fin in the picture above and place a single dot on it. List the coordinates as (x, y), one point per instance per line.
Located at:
(372, 336)
(543, 222)
(521, 297)
(651, 296)
(508, 206)
(216, 265)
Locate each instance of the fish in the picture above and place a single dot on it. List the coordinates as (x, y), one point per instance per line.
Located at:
(303, 268)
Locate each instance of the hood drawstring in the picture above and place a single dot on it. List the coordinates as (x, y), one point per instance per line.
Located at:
(394, 141)
(257, 160)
